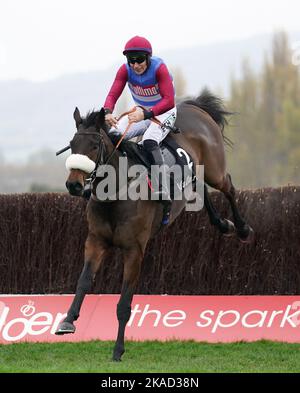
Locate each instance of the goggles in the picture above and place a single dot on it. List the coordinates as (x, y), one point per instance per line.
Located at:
(136, 59)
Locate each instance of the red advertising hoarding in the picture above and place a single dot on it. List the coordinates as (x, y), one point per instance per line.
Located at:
(35, 318)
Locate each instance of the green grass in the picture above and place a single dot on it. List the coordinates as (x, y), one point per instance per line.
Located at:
(151, 356)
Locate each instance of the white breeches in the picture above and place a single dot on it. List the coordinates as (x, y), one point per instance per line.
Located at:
(147, 128)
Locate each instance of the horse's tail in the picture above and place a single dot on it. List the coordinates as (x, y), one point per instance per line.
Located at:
(214, 106)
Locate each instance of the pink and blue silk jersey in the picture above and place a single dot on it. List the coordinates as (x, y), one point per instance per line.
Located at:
(153, 89)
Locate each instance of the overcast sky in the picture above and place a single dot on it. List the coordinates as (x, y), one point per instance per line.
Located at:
(42, 39)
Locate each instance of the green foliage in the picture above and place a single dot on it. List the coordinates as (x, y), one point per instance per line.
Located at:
(266, 131)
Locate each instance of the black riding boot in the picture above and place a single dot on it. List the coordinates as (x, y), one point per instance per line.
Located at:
(159, 183)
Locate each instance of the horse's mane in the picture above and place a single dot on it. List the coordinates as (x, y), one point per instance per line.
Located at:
(214, 106)
(90, 120)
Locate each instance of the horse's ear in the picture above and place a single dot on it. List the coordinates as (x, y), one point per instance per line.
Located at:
(100, 119)
(77, 117)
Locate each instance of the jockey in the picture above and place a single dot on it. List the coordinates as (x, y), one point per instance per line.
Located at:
(151, 86)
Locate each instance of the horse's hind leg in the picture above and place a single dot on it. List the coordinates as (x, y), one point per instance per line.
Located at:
(94, 254)
(132, 264)
(244, 231)
(225, 226)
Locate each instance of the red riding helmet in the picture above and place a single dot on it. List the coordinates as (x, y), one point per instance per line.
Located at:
(138, 44)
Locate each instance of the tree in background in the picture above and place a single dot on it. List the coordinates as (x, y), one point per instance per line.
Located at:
(266, 131)
(244, 130)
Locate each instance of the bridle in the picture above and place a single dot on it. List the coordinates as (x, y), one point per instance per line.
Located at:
(155, 120)
(101, 155)
(100, 160)
(102, 149)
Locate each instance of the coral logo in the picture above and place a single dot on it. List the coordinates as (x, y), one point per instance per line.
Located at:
(31, 323)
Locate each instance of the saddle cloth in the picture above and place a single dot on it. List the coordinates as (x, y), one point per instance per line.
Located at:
(173, 156)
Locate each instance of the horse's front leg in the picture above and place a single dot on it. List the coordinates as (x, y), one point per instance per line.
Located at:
(132, 265)
(95, 251)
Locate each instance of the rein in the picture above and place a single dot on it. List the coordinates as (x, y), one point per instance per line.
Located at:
(100, 155)
(91, 179)
(102, 148)
(155, 120)
(100, 158)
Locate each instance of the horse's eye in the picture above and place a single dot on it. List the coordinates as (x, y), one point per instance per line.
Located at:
(95, 147)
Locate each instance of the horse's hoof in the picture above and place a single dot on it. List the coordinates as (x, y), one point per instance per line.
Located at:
(65, 328)
(247, 236)
(230, 228)
(117, 355)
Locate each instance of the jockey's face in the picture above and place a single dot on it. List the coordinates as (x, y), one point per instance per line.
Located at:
(139, 68)
(138, 62)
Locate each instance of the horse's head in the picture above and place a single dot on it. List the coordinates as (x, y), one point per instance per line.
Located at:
(86, 148)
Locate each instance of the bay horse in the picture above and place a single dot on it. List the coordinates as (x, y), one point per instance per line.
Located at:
(129, 224)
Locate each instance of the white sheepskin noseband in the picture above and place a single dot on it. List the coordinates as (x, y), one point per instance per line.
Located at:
(79, 161)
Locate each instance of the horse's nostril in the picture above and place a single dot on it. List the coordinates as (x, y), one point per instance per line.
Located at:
(78, 186)
(75, 188)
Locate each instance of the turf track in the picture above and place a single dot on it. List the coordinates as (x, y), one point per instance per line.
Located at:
(151, 357)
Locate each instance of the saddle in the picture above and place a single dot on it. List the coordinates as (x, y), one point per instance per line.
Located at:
(173, 155)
